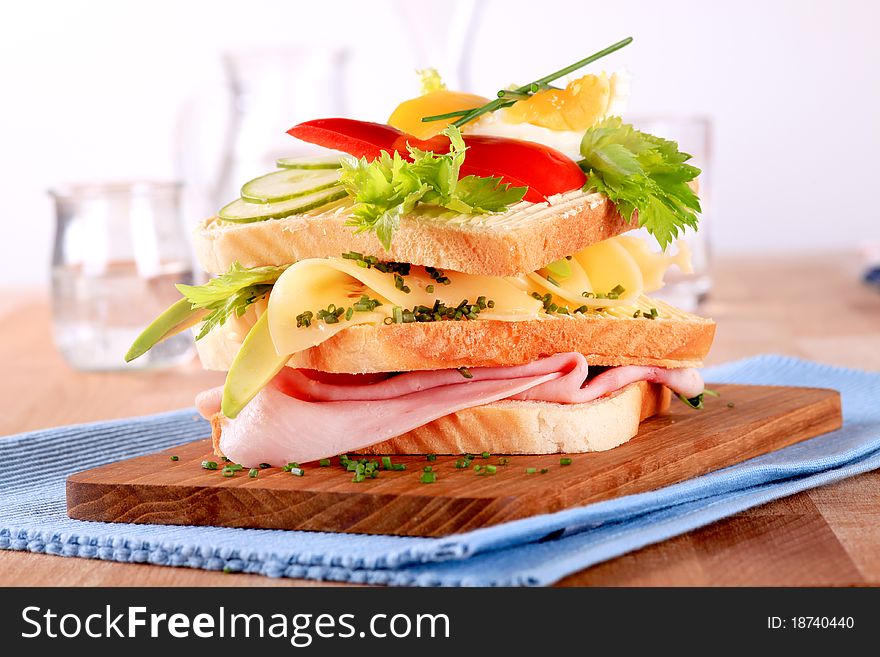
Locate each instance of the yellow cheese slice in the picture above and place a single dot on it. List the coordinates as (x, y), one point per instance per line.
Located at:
(329, 284)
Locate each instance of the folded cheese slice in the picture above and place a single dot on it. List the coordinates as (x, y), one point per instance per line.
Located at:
(310, 290)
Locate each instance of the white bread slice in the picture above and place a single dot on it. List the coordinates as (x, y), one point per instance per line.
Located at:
(614, 337)
(526, 427)
(510, 426)
(523, 239)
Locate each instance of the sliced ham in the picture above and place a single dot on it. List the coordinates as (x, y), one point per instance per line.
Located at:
(301, 418)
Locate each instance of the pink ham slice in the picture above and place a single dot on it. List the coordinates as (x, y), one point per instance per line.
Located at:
(300, 418)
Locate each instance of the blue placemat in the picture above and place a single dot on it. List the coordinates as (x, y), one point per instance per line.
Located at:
(533, 551)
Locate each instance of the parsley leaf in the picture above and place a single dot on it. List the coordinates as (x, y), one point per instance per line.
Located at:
(484, 195)
(430, 80)
(228, 293)
(641, 173)
(390, 187)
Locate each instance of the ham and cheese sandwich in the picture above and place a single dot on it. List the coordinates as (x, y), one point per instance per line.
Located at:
(442, 290)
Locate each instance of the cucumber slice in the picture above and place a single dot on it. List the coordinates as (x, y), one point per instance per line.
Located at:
(254, 366)
(240, 211)
(316, 162)
(287, 184)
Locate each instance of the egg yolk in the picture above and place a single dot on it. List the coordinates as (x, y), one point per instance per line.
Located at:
(577, 107)
(408, 115)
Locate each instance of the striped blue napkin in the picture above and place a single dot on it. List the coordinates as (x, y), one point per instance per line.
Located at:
(533, 551)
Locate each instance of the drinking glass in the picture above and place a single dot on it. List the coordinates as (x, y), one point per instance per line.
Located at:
(693, 134)
(119, 249)
(270, 91)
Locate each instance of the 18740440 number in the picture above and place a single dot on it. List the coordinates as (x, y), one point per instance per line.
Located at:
(810, 622)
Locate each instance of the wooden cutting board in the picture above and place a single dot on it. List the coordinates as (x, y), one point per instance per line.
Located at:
(744, 422)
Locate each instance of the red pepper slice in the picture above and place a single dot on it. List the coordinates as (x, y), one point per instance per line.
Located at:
(544, 170)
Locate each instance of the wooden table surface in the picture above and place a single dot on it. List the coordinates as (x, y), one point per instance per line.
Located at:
(813, 307)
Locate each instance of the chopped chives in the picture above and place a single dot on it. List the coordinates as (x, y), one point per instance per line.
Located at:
(565, 461)
(225, 460)
(503, 461)
(209, 465)
(485, 455)
(228, 473)
(324, 463)
(264, 466)
(531, 470)
(428, 477)
(235, 467)
(175, 458)
(428, 468)
(358, 477)
(465, 372)
(386, 463)
(491, 469)
(297, 472)
(253, 472)
(398, 466)
(545, 470)
(429, 289)
(432, 457)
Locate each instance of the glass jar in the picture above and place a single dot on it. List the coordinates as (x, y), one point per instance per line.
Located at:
(119, 248)
(270, 91)
(693, 135)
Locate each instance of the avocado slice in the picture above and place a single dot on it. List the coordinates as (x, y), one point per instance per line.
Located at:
(178, 317)
(254, 366)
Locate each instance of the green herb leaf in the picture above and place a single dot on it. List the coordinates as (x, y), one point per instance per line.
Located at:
(641, 173)
(693, 402)
(390, 187)
(230, 293)
(430, 80)
(484, 195)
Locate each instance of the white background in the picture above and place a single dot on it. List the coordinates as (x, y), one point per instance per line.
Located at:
(98, 90)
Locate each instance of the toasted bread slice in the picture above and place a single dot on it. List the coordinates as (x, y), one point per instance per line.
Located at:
(523, 239)
(613, 337)
(525, 427)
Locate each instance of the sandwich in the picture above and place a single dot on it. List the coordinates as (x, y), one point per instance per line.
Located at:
(460, 279)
